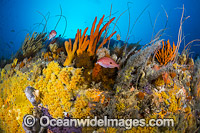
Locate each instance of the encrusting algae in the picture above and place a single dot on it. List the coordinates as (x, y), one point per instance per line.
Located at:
(71, 83)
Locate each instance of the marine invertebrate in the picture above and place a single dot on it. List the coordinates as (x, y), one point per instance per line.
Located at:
(96, 70)
(141, 129)
(29, 59)
(173, 74)
(120, 106)
(58, 86)
(198, 90)
(60, 50)
(140, 95)
(118, 37)
(111, 130)
(196, 78)
(22, 64)
(165, 54)
(156, 67)
(49, 56)
(84, 60)
(95, 95)
(67, 91)
(105, 75)
(87, 62)
(131, 72)
(70, 51)
(53, 47)
(14, 63)
(81, 109)
(33, 44)
(3, 73)
(166, 78)
(15, 104)
(55, 56)
(147, 89)
(102, 52)
(59, 129)
(182, 59)
(95, 36)
(71, 78)
(83, 42)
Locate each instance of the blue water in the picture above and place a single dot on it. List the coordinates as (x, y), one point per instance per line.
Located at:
(18, 17)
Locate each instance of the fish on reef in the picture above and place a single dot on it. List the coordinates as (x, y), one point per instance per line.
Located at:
(107, 62)
(52, 34)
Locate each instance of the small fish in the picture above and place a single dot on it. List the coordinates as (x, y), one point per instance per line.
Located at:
(12, 30)
(107, 62)
(11, 42)
(8, 45)
(52, 34)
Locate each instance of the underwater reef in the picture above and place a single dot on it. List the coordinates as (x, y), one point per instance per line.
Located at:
(81, 77)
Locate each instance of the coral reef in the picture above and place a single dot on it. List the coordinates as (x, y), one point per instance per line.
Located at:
(152, 82)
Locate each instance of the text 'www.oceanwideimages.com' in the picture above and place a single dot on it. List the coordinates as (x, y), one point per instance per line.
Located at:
(29, 121)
